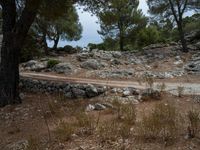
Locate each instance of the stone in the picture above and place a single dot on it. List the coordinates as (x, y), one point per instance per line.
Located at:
(123, 73)
(99, 106)
(84, 56)
(91, 64)
(116, 54)
(19, 145)
(91, 91)
(126, 93)
(90, 107)
(34, 65)
(115, 62)
(78, 93)
(66, 68)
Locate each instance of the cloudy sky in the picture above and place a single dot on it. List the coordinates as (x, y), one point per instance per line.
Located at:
(90, 28)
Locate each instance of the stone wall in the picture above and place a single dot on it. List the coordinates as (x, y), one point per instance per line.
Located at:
(70, 90)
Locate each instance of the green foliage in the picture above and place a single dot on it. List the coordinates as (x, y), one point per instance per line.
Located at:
(31, 49)
(191, 23)
(100, 46)
(51, 63)
(147, 36)
(118, 18)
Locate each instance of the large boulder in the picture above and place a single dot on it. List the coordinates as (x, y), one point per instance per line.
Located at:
(91, 64)
(34, 65)
(84, 56)
(66, 68)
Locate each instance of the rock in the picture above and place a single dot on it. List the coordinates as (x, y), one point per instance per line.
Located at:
(126, 93)
(78, 93)
(20, 145)
(22, 96)
(91, 91)
(150, 94)
(66, 68)
(116, 54)
(90, 107)
(193, 66)
(179, 62)
(99, 106)
(107, 56)
(115, 62)
(116, 73)
(34, 65)
(91, 64)
(84, 56)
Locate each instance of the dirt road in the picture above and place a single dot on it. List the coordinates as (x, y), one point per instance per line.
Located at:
(189, 88)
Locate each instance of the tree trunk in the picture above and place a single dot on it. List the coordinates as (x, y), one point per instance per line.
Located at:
(182, 37)
(121, 42)
(45, 45)
(56, 42)
(14, 34)
(9, 73)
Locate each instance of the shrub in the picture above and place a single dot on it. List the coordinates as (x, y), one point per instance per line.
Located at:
(194, 123)
(161, 123)
(51, 63)
(64, 131)
(180, 90)
(85, 122)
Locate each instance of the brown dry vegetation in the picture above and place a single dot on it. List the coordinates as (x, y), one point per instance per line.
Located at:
(50, 121)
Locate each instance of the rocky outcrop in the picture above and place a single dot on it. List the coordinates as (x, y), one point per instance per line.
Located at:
(91, 64)
(193, 66)
(34, 65)
(65, 68)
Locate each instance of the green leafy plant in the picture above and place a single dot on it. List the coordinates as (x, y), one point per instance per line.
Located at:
(51, 63)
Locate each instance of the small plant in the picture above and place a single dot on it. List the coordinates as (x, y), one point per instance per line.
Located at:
(149, 80)
(108, 131)
(54, 106)
(64, 131)
(33, 144)
(180, 91)
(161, 87)
(85, 122)
(128, 114)
(160, 124)
(51, 63)
(194, 123)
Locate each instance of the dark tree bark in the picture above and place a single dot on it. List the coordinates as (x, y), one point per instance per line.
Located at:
(56, 40)
(121, 34)
(45, 45)
(14, 33)
(179, 21)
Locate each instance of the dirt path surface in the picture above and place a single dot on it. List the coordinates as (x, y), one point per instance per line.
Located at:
(189, 88)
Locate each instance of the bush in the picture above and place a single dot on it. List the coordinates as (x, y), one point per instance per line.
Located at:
(64, 131)
(51, 63)
(160, 124)
(194, 123)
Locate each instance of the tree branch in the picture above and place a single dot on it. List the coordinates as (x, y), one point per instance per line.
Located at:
(26, 19)
(173, 11)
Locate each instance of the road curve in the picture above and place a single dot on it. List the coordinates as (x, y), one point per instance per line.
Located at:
(189, 88)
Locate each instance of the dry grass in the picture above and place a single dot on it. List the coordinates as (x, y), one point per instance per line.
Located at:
(161, 123)
(194, 123)
(64, 131)
(33, 144)
(180, 90)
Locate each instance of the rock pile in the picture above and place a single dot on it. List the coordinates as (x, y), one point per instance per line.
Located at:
(69, 90)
